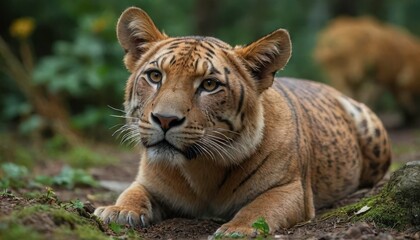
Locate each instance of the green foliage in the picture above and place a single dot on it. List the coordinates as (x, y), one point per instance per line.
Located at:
(88, 71)
(78, 68)
(69, 178)
(77, 204)
(261, 226)
(12, 176)
(125, 231)
(16, 176)
(115, 227)
(80, 60)
(31, 124)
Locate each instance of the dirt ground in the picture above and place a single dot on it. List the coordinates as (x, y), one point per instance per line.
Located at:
(115, 177)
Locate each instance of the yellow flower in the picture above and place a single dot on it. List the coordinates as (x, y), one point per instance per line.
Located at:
(22, 27)
(99, 25)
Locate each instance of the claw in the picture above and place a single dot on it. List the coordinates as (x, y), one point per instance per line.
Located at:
(131, 221)
(121, 216)
(143, 221)
(98, 211)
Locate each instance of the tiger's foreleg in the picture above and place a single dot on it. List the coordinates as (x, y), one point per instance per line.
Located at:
(281, 207)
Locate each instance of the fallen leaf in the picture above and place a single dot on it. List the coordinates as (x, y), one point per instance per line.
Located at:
(363, 210)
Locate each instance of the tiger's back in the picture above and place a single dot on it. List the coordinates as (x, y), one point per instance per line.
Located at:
(345, 139)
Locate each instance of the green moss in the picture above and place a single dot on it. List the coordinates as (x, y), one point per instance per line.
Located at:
(17, 231)
(58, 215)
(57, 221)
(69, 225)
(382, 211)
(79, 232)
(396, 206)
(395, 166)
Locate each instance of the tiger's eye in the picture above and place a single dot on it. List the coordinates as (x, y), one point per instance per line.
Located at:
(154, 76)
(210, 85)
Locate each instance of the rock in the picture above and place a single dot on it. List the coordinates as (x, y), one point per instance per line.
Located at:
(406, 182)
(404, 188)
(353, 233)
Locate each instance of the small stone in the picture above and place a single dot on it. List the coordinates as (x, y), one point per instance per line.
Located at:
(88, 206)
(365, 228)
(385, 236)
(353, 233)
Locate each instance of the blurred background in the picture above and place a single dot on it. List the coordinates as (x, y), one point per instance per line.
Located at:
(62, 76)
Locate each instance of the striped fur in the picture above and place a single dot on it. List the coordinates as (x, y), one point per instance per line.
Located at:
(220, 137)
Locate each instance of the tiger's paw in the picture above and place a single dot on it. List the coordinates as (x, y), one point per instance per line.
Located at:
(123, 216)
(229, 230)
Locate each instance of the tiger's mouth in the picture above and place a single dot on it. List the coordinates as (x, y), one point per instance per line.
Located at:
(164, 146)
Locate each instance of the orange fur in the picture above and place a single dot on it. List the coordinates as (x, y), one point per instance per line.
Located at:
(221, 137)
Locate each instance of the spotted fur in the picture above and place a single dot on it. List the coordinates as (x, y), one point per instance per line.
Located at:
(221, 137)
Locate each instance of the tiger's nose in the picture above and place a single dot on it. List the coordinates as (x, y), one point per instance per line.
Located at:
(167, 122)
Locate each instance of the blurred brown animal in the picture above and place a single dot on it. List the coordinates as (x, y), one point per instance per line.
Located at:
(362, 56)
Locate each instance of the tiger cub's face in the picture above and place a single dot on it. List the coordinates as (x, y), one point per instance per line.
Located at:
(196, 97)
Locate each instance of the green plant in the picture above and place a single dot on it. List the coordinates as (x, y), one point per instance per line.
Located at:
(12, 175)
(261, 226)
(70, 178)
(17, 176)
(84, 71)
(115, 227)
(77, 204)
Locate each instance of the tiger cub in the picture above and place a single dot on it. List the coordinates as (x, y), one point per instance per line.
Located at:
(221, 137)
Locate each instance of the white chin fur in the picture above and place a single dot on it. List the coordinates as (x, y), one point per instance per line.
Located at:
(165, 156)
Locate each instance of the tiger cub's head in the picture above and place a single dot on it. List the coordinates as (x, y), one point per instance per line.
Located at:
(196, 98)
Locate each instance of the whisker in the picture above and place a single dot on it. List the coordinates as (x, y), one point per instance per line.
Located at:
(224, 138)
(227, 130)
(132, 138)
(204, 148)
(227, 144)
(116, 109)
(124, 128)
(207, 143)
(117, 125)
(219, 148)
(124, 116)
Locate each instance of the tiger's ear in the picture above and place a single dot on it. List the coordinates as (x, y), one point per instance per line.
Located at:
(136, 33)
(265, 56)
